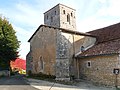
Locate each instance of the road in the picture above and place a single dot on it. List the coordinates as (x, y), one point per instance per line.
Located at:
(46, 85)
(16, 82)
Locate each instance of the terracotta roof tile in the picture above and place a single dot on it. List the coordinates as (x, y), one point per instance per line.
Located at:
(108, 41)
(107, 33)
(110, 47)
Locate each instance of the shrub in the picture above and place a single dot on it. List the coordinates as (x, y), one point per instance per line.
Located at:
(42, 76)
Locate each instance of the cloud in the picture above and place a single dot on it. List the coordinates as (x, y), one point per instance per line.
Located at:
(106, 15)
(102, 1)
(111, 8)
(29, 14)
(23, 36)
(22, 33)
(93, 23)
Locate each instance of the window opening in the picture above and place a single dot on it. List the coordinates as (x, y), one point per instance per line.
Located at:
(41, 63)
(55, 12)
(88, 64)
(71, 14)
(51, 19)
(63, 11)
(68, 18)
(82, 48)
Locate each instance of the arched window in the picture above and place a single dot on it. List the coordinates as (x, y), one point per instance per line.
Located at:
(82, 48)
(55, 12)
(63, 11)
(71, 14)
(51, 19)
(41, 63)
(68, 18)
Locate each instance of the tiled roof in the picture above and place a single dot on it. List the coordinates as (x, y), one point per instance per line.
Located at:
(107, 33)
(108, 41)
(106, 48)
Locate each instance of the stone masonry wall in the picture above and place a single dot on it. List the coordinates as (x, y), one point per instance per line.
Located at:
(57, 17)
(52, 17)
(100, 70)
(43, 48)
(28, 63)
(71, 25)
(67, 46)
(84, 41)
(64, 54)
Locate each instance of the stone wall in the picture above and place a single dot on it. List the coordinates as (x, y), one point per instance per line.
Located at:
(71, 23)
(28, 63)
(57, 17)
(64, 54)
(53, 50)
(4, 73)
(52, 17)
(84, 41)
(100, 70)
(62, 69)
(43, 48)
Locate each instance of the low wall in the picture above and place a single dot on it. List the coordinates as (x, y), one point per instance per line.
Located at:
(4, 73)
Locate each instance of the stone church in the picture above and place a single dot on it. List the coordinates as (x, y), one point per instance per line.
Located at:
(57, 48)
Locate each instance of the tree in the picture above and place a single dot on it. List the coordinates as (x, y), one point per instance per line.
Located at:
(9, 43)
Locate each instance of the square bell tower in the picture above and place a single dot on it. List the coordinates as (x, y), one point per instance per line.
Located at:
(61, 16)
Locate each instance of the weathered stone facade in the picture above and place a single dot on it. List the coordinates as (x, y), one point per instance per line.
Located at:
(65, 51)
(29, 63)
(57, 49)
(100, 70)
(53, 50)
(61, 16)
(43, 51)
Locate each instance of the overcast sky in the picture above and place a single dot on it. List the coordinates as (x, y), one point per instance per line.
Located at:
(27, 15)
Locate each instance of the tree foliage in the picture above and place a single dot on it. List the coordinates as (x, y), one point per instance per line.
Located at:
(9, 43)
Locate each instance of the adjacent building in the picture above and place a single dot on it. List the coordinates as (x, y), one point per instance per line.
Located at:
(98, 63)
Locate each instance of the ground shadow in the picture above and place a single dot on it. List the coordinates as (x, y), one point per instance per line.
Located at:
(13, 80)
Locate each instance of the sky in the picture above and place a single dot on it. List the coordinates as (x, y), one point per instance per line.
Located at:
(26, 15)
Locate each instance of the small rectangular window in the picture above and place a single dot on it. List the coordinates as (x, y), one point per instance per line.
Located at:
(71, 14)
(55, 12)
(51, 19)
(63, 11)
(88, 64)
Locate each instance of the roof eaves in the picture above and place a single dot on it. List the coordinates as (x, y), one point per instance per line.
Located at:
(71, 31)
(35, 32)
(63, 30)
(86, 56)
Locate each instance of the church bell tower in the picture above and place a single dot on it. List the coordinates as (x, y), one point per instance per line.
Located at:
(61, 16)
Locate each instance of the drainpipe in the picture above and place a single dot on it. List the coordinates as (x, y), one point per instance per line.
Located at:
(73, 57)
(73, 48)
(78, 71)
